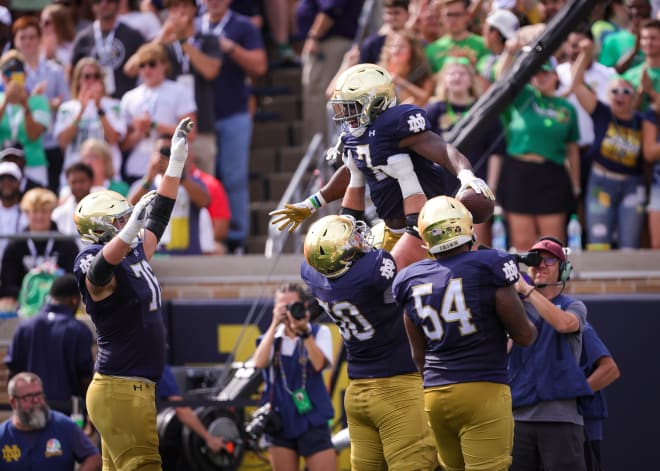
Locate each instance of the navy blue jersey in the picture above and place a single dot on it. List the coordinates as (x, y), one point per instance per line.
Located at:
(371, 324)
(129, 323)
(381, 141)
(453, 301)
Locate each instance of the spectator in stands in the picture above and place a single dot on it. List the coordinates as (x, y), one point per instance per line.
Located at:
(79, 180)
(615, 196)
(549, 427)
(456, 91)
(27, 116)
(614, 18)
(601, 370)
(218, 207)
(190, 231)
(42, 77)
(651, 151)
(142, 20)
(55, 346)
(597, 77)
(12, 218)
(425, 20)
(395, 17)
(329, 28)
(152, 109)
(168, 390)
(36, 437)
(97, 154)
(645, 77)
(457, 41)
(403, 57)
(244, 57)
(111, 42)
(278, 13)
(621, 49)
(23, 255)
(545, 11)
(57, 34)
(196, 59)
(540, 178)
(90, 114)
(499, 26)
(14, 153)
(293, 354)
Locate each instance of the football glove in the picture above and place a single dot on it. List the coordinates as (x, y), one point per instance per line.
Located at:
(179, 148)
(469, 180)
(138, 217)
(294, 214)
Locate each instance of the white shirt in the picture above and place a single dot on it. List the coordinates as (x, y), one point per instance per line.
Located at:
(597, 77)
(63, 217)
(145, 22)
(90, 126)
(165, 104)
(12, 221)
(323, 339)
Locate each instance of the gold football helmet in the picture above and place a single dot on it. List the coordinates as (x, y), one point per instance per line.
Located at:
(100, 215)
(334, 242)
(362, 92)
(444, 224)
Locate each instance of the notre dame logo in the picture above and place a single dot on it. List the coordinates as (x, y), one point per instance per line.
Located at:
(416, 123)
(11, 453)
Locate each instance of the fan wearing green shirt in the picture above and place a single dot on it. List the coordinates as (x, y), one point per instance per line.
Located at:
(457, 41)
(621, 49)
(646, 76)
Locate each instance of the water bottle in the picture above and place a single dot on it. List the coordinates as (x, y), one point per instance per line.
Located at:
(574, 234)
(498, 230)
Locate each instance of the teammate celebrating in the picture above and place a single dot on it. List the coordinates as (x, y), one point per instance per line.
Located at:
(384, 400)
(458, 310)
(391, 149)
(122, 296)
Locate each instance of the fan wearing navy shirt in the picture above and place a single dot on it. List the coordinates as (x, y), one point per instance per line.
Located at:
(458, 311)
(123, 298)
(384, 400)
(37, 438)
(392, 150)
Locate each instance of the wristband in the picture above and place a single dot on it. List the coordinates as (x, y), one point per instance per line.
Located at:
(305, 335)
(316, 201)
(529, 292)
(146, 184)
(100, 112)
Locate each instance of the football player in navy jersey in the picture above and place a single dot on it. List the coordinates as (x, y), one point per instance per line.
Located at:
(458, 311)
(123, 298)
(384, 399)
(392, 150)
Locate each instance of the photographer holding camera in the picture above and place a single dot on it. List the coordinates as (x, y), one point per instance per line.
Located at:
(293, 354)
(546, 379)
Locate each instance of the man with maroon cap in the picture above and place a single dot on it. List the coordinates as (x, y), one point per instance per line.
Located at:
(545, 378)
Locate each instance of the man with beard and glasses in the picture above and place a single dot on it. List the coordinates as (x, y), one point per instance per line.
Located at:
(37, 438)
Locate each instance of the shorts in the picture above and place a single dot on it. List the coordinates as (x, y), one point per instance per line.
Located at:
(312, 441)
(534, 188)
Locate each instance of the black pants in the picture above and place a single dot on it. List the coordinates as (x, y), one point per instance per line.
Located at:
(548, 446)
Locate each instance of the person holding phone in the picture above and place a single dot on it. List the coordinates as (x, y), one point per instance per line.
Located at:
(293, 353)
(23, 117)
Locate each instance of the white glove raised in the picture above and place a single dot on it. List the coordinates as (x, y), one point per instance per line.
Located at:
(179, 148)
(138, 217)
(469, 180)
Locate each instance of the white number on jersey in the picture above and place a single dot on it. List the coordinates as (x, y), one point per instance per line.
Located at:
(143, 270)
(453, 309)
(350, 321)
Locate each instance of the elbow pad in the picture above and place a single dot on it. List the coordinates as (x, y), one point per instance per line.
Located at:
(159, 216)
(100, 272)
(400, 166)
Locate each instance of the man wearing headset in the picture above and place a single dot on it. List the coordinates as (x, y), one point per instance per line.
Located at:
(546, 379)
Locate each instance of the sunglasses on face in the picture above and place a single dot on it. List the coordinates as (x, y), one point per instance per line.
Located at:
(621, 91)
(549, 261)
(95, 76)
(96, 2)
(150, 64)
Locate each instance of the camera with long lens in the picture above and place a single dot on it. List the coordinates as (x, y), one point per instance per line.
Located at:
(531, 259)
(297, 310)
(263, 420)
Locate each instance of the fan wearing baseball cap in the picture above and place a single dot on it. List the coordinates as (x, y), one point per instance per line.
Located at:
(546, 379)
(500, 25)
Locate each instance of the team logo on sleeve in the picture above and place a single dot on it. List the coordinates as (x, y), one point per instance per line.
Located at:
(387, 269)
(416, 123)
(510, 270)
(11, 453)
(86, 262)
